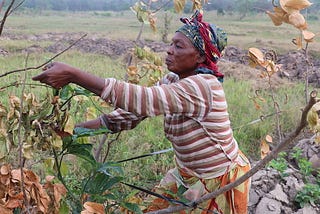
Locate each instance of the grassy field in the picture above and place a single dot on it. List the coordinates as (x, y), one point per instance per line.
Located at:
(254, 30)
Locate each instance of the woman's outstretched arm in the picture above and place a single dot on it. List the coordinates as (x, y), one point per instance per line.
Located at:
(58, 74)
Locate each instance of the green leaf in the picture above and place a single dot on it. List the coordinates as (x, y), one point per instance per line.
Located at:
(84, 132)
(141, 12)
(64, 208)
(82, 91)
(3, 146)
(66, 92)
(64, 169)
(83, 151)
(110, 169)
(132, 207)
(100, 183)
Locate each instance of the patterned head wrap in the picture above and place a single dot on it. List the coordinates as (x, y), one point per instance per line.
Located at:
(208, 39)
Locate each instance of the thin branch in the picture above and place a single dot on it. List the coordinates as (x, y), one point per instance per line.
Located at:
(109, 146)
(307, 71)
(15, 8)
(16, 84)
(5, 16)
(257, 167)
(99, 149)
(20, 142)
(43, 64)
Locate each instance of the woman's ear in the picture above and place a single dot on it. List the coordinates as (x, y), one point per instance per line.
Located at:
(201, 58)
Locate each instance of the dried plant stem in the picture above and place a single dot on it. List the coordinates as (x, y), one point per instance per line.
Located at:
(8, 12)
(48, 61)
(109, 146)
(20, 142)
(5, 16)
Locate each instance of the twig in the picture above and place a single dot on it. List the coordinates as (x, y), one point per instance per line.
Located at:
(99, 149)
(5, 16)
(20, 142)
(109, 146)
(16, 84)
(307, 71)
(37, 67)
(11, 11)
(257, 167)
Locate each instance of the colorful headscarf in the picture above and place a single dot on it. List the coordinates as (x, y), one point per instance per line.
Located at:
(208, 39)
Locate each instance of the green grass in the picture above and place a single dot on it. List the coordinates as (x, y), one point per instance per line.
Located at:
(248, 129)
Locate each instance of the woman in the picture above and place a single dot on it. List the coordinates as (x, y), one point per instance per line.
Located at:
(196, 120)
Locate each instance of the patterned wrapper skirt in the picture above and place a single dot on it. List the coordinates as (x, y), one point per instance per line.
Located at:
(177, 184)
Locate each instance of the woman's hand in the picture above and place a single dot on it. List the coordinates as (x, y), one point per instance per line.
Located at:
(56, 74)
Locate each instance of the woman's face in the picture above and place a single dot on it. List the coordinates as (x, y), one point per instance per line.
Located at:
(182, 57)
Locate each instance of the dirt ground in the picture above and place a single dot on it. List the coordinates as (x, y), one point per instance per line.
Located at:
(271, 193)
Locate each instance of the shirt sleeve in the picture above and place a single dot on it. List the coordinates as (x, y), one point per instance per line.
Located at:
(119, 120)
(190, 96)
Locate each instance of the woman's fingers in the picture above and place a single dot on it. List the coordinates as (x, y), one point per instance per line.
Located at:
(48, 66)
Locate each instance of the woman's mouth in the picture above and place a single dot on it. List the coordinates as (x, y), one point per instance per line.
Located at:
(168, 61)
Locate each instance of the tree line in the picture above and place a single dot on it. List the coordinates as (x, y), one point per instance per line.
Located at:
(242, 6)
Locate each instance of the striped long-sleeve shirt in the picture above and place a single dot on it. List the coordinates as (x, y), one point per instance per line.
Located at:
(196, 120)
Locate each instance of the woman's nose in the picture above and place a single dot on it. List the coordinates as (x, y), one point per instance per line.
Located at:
(170, 49)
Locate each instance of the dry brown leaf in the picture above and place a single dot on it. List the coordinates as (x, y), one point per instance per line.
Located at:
(277, 20)
(281, 14)
(132, 70)
(196, 5)
(287, 9)
(4, 210)
(13, 203)
(179, 5)
(256, 105)
(5, 179)
(93, 207)
(152, 22)
(298, 4)
(256, 53)
(49, 178)
(31, 176)
(3, 111)
(297, 20)
(269, 139)
(308, 36)
(69, 126)
(5, 169)
(265, 149)
(14, 101)
(59, 192)
(16, 175)
(13, 193)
